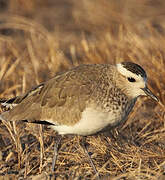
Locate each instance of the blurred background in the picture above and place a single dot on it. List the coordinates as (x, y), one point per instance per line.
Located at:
(40, 38)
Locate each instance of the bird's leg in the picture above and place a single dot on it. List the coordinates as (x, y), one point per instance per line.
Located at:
(83, 145)
(56, 148)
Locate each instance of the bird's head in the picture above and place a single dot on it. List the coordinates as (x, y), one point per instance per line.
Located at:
(132, 80)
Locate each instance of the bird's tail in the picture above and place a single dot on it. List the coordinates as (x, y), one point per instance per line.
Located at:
(7, 104)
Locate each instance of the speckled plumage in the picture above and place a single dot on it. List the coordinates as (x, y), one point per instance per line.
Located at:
(94, 94)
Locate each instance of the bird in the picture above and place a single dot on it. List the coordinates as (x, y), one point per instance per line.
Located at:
(85, 100)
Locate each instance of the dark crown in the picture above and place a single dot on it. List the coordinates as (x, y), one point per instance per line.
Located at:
(134, 68)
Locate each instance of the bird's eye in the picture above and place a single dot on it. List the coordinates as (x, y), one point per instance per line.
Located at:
(130, 79)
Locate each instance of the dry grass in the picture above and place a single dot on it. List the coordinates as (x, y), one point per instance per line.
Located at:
(30, 54)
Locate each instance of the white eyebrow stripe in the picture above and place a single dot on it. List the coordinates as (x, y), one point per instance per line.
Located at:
(128, 73)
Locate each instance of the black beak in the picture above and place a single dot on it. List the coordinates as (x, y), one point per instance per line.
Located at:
(149, 93)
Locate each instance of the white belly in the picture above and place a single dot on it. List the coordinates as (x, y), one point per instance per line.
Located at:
(92, 121)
